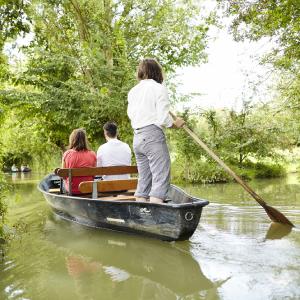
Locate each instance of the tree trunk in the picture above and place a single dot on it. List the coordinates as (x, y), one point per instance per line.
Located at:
(108, 15)
(241, 159)
(84, 37)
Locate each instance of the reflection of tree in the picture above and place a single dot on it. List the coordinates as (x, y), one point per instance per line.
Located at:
(275, 191)
(277, 231)
(127, 267)
(29, 264)
(59, 260)
(88, 275)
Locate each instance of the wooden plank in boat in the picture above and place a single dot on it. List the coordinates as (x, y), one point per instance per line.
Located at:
(56, 190)
(118, 198)
(109, 185)
(116, 170)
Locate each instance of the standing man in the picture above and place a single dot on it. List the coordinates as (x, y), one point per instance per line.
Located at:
(113, 152)
(148, 111)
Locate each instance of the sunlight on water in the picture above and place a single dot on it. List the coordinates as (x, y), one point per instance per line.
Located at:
(235, 253)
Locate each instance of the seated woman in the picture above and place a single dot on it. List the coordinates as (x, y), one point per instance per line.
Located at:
(78, 156)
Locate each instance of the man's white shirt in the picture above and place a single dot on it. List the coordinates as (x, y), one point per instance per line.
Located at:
(114, 153)
(148, 103)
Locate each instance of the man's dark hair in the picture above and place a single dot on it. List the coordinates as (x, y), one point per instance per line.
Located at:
(149, 68)
(110, 129)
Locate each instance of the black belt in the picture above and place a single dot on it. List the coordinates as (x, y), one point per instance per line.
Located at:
(144, 127)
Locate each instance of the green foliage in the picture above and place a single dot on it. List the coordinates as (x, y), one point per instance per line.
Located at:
(279, 21)
(13, 19)
(251, 133)
(263, 170)
(276, 19)
(197, 171)
(81, 64)
(4, 187)
(288, 101)
(24, 141)
(238, 138)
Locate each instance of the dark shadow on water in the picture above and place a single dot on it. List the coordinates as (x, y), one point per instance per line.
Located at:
(277, 231)
(157, 268)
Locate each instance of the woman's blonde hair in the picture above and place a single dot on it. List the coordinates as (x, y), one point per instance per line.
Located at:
(78, 140)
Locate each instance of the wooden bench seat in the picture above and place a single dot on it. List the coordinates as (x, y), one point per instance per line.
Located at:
(116, 170)
(101, 186)
(108, 185)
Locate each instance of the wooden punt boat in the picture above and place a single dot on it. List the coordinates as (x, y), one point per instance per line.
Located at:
(177, 219)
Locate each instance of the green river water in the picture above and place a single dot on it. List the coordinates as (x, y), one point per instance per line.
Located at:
(235, 252)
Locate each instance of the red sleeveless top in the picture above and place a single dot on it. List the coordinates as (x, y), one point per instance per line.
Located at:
(78, 159)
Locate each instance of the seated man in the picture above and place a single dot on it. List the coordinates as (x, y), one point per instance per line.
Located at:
(114, 152)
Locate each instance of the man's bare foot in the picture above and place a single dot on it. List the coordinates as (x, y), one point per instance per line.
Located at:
(140, 199)
(155, 200)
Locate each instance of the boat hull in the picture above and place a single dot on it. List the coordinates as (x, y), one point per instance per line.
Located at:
(171, 221)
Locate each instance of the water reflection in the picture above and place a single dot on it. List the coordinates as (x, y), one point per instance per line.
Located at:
(241, 255)
(17, 176)
(279, 191)
(278, 231)
(104, 262)
(234, 210)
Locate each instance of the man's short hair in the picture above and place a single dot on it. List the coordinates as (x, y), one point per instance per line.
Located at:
(110, 129)
(149, 68)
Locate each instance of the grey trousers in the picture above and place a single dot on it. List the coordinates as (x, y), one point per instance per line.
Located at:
(153, 162)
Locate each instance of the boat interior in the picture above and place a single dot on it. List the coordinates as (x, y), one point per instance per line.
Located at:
(118, 190)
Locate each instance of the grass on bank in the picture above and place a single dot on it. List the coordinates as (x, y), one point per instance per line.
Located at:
(208, 172)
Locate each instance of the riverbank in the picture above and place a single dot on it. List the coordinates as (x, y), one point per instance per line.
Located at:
(209, 172)
(203, 170)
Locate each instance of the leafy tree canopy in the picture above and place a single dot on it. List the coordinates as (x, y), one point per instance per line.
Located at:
(277, 19)
(82, 59)
(13, 19)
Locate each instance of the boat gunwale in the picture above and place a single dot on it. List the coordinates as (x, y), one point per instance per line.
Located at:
(196, 202)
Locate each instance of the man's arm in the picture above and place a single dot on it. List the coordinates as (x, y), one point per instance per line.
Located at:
(163, 108)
